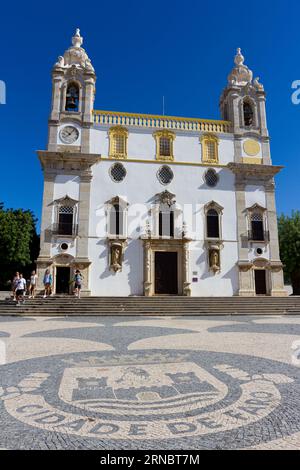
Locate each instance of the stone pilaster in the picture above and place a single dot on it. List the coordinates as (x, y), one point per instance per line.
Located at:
(186, 285)
(147, 268)
(44, 260)
(246, 287)
(276, 272)
(82, 254)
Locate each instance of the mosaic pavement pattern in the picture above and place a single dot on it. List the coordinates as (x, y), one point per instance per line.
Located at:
(150, 383)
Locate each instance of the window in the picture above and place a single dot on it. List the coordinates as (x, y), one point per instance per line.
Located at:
(165, 174)
(117, 172)
(116, 217)
(116, 220)
(72, 97)
(248, 113)
(212, 224)
(209, 144)
(65, 220)
(213, 213)
(166, 224)
(118, 142)
(211, 178)
(257, 226)
(164, 145)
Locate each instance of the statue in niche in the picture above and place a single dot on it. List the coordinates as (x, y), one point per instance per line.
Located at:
(116, 257)
(214, 260)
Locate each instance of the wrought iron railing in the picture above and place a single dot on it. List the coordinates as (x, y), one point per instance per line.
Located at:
(64, 228)
(258, 236)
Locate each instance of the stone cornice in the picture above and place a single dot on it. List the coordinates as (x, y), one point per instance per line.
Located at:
(67, 161)
(251, 169)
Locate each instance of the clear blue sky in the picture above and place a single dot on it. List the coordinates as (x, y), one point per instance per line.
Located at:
(142, 50)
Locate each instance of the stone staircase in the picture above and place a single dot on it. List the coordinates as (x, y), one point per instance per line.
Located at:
(152, 306)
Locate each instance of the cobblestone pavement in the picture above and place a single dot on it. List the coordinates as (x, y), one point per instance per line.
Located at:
(150, 383)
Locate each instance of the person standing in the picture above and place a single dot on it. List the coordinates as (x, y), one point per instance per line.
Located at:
(47, 283)
(14, 285)
(32, 285)
(78, 282)
(20, 288)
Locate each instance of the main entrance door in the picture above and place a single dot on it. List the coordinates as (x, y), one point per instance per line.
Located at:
(62, 280)
(260, 281)
(166, 277)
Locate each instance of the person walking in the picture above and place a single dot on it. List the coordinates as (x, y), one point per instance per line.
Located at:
(47, 283)
(14, 285)
(20, 288)
(32, 285)
(78, 282)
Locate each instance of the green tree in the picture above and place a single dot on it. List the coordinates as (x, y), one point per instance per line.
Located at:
(289, 242)
(18, 242)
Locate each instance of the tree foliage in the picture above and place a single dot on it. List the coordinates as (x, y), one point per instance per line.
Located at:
(289, 242)
(18, 242)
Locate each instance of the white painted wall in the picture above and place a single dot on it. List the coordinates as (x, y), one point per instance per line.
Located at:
(139, 189)
(141, 145)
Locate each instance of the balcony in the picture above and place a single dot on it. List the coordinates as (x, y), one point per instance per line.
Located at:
(258, 235)
(64, 229)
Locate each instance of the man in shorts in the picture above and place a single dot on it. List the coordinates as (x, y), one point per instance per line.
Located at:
(20, 289)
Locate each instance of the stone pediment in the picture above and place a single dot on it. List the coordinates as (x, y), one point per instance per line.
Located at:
(66, 201)
(165, 197)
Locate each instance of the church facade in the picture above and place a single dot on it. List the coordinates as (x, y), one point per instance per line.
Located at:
(158, 205)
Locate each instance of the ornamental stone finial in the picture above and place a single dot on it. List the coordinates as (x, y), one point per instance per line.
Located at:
(77, 40)
(240, 75)
(239, 58)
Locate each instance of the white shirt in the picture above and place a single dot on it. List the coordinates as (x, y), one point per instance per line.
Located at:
(21, 284)
(33, 280)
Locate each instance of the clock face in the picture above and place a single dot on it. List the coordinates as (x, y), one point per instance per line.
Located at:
(69, 134)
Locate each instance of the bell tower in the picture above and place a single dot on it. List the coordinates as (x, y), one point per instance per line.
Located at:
(73, 91)
(243, 103)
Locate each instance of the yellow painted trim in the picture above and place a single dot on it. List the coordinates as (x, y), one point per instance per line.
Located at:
(158, 116)
(168, 135)
(117, 131)
(139, 160)
(257, 160)
(206, 139)
(251, 147)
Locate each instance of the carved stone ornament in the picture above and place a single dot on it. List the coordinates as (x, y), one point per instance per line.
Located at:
(214, 260)
(75, 56)
(240, 74)
(166, 197)
(116, 255)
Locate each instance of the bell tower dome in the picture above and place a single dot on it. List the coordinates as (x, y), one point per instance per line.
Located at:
(73, 92)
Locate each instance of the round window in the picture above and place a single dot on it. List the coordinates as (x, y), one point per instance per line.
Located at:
(117, 172)
(211, 177)
(165, 174)
(64, 246)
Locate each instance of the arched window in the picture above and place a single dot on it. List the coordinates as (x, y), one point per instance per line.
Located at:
(72, 97)
(209, 148)
(166, 223)
(212, 224)
(116, 220)
(257, 226)
(248, 113)
(118, 142)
